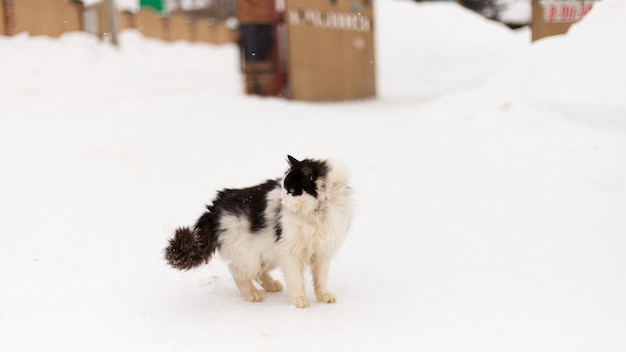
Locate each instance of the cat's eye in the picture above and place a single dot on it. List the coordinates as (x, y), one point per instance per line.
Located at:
(291, 190)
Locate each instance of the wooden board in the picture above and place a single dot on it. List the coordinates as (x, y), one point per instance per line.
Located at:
(330, 50)
(179, 27)
(556, 16)
(50, 17)
(212, 31)
(255, 11)
(2, 25)
(150, 24)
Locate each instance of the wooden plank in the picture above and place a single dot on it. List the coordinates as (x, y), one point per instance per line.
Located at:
(330, 49)
(541, 28)
(223, 34)
(255, 11)
(2, 14)
(351, 43)
(150, 24)
(364, 73)
(179, 27)
(299, 47)
(214, 32)
(204, 31)
(51, 17)
(127, 20)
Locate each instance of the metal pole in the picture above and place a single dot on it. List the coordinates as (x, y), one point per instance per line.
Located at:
(111, 20)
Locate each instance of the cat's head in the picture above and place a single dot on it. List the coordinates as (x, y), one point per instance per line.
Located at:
(302, 176)
(303, 183)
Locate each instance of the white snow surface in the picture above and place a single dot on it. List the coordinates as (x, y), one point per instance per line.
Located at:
(489, 177)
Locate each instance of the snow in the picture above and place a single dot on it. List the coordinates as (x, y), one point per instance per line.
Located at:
(490, 185)
(594, 79)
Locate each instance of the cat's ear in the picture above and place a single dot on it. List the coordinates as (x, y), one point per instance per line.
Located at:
(292, 161)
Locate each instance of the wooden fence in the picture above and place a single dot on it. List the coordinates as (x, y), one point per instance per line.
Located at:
(51, 17)
(55, 17)
(2, 15)
(330, 49)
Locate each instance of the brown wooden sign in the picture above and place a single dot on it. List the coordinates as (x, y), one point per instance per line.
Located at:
(330, 49)
(554, 17)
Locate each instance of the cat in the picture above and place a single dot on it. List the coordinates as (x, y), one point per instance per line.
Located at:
(292, 223)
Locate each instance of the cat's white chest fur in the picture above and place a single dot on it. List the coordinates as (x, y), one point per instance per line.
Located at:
(320, 232)
(318, 225)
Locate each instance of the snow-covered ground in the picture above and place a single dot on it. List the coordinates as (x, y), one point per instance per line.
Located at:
(490, 178)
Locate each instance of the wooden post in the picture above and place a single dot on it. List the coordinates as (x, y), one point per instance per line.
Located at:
(259, 46)
(8, 17)
(112, 21)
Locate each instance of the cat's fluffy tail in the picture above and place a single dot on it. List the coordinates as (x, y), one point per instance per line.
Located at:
(189, 248)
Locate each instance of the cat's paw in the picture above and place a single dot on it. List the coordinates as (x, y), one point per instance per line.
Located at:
(327, 297)
(300, 302)
(272, 286)
(254, 296)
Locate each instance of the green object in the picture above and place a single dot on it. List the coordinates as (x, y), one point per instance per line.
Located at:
(156, 5)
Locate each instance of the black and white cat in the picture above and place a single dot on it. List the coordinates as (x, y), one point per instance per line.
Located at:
(293, 223)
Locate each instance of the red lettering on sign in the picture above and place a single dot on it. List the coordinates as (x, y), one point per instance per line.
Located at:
(566, 10)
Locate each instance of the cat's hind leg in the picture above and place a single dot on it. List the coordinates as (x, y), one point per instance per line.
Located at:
(269, 284)
(246, 287)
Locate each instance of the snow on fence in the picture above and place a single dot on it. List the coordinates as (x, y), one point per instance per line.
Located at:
(55, 17)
